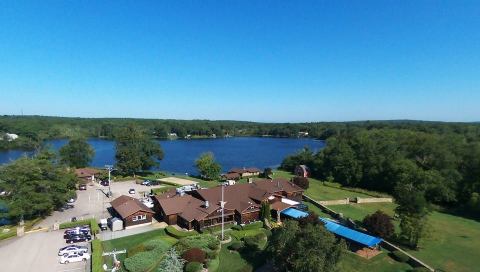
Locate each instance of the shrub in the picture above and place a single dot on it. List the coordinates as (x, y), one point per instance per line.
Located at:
(260, 236)
(251, 243)
(205, 242)
(379, 224)
(156, 244)
(255, 225)
(268, 232)
(194, 255)
(179, 234)
(237, 227)
(301, 182)
(246, 268)
(237, 245)
(400, 256)
(193, 267)
(213, 265)
(212, 254)
(136, 249)
(143, 261)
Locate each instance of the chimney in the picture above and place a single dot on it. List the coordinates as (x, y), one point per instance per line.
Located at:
(206, 204)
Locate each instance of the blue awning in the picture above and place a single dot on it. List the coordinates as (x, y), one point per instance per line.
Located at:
(351, 234)
(294, 213)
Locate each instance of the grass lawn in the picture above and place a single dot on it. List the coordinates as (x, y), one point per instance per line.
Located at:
(231, 260)
(380, 263)
(315, 209)
(318, 191)
(129, 242)
(359, 211)
(454, 244)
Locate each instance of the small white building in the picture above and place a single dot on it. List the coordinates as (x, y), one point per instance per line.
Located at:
(10, 137)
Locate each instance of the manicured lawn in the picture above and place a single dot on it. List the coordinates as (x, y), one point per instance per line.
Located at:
(318, 191)
(315, 209)
(359, 211)
(380, 263)
(454, 244)
(231, 260)
(129, 242)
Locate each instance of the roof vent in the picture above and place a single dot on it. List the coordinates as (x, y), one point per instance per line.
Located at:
(207, 204)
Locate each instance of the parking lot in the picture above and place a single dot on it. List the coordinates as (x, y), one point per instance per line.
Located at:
(37, 252)
(94, 203)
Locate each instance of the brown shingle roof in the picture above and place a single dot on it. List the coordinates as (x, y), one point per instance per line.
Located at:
(277, 185)
(126, 206)
(279, 206)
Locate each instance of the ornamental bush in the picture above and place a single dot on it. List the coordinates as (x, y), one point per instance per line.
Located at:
(255, 225)
(145, 260)
(193, 267)
(237, 227)
(237, 245)
(194, 255)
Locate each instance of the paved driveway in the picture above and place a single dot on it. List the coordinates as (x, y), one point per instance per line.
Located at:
(94, 203)
(37, 252)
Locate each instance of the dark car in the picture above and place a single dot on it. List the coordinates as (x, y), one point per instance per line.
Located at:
(82, 187)
(104, 183)
(78, 238)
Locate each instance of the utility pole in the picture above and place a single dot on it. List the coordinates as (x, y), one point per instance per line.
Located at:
(110, 169)
(222, 205)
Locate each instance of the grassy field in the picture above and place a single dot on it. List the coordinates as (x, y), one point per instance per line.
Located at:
(318, 191)
(134, 240)
(359, 211)
(380, 263)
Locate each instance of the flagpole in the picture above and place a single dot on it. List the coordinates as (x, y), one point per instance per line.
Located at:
(223, 205)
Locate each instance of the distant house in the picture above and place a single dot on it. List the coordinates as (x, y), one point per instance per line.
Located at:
(303, 134)
(87, 174)
(245, 172)
(302, 171)
(231, 176)
(201, 209)
(132, 212)
(9, 137)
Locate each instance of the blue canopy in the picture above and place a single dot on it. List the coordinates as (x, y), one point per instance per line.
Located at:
(294, 213)
(351, 234)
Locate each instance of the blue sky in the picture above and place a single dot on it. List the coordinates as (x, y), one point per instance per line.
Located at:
(274, 61)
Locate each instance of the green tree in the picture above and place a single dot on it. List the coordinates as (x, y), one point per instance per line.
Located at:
(207, 166)
(77, 153)
(135, 151)
(265, 211)
(171, 262)
(310, 248)
(37, 186)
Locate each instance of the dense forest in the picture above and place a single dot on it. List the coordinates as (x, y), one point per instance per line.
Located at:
(33, 130)
(442, 164)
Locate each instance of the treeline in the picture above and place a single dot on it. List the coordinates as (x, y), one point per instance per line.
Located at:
(442, 164)
(33, 130)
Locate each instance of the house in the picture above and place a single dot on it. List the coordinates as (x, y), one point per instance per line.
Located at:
(245, 172)
(201, 208)
(231, 176)
(87, 174)
(131, 211)
(302, 171)
(9, 137)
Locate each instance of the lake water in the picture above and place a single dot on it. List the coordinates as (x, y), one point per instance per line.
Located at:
(180, 155)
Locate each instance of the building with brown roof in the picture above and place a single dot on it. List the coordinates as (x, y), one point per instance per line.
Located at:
(87, 174)
(245, 172)
(201, 208)
(132, 212)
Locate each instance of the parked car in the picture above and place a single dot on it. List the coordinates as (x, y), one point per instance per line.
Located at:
(147, 182)
(72, 249)
(71, 200)
(78, 238)
(74, 258)
(104, 183)
(82, 187)
(131, 191)
(77, 231)
(73, 219)
(103, 224)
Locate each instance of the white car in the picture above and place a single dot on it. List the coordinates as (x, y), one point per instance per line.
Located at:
(72, 249)
(74, 257)
(131, 191)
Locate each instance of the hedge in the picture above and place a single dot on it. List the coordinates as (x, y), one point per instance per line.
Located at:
(255, 225)
(235, 245)
(95, 229)
(179, 234)
(400, 256)
(97, 259)
(193, 267)
(9, 234)
(213, 265)
(237, 227)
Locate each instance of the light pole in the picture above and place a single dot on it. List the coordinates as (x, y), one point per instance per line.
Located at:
(110, 169)
(222, 205)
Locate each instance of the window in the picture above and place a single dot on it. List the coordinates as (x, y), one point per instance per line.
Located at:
(139, 217)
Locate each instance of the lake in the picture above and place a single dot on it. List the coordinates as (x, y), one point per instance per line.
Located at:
(180, 155)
